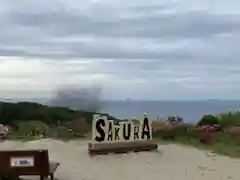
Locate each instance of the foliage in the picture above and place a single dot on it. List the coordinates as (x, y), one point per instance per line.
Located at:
(63, 132)
(229, 119)
(63, 122)
(32, 128)
(14, 113)
(225, 140)
(234, 132)
(78, 127)
(169, 130)
(208, 120)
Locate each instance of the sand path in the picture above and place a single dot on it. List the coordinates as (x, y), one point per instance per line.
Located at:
(171, 162)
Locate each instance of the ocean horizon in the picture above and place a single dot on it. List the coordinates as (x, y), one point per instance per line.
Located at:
(191, 111)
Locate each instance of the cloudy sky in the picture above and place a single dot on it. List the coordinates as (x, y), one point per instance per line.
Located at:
(141, 49)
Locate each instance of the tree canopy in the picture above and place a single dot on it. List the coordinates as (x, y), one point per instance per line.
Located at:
(15, 113)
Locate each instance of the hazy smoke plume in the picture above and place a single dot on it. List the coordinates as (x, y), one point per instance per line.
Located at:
(87, 99)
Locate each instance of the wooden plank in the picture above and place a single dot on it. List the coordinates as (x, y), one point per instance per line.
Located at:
(53, 167)
(119, 144)
(122, 147)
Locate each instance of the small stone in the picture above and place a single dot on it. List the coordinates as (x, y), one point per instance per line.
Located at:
(210, 154)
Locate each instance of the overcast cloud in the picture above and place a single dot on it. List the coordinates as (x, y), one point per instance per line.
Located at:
(179, 49)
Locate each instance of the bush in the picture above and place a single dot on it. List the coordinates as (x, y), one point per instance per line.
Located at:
(63, 132)
(32, 128)
(78, 127)
(234, 132)
(208, 120)
(229, 119)
(168, 131)
(207, 137)
(15, 113)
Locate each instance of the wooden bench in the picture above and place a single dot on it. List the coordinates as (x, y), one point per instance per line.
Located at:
(27, 162)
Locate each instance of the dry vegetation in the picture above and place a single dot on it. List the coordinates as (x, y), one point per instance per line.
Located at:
(218, 133)
(30, 121)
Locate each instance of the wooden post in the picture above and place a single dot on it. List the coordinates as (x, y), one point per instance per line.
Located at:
(41, 177)
(52, 176)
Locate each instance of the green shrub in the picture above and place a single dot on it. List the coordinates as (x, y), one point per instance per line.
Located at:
(207, 137)
(32, 128)
(171, 132)
(78, 127)
(208, 120)
(167, 134)
(229, 119)
(63, 132)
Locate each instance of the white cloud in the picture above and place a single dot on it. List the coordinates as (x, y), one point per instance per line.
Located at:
(177, 49)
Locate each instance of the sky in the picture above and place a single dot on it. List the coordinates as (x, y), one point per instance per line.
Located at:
(138, 49)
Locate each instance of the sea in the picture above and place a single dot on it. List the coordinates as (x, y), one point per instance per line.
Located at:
(190, 111)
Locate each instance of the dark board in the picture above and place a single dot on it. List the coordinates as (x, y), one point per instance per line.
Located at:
(40, 166)
(121, 147)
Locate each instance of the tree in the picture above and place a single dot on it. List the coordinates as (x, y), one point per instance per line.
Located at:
(32, 128)
(78, 127)
(208, 120)
(14, 113)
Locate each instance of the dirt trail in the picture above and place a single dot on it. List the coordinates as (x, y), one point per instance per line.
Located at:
(171, 162)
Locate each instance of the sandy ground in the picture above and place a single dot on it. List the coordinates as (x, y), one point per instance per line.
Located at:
(170, 162)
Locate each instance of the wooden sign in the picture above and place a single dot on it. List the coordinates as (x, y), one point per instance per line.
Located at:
(108, 134)
(104, 130)
(22, 162)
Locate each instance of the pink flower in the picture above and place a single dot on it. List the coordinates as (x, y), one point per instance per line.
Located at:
(207, 127)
